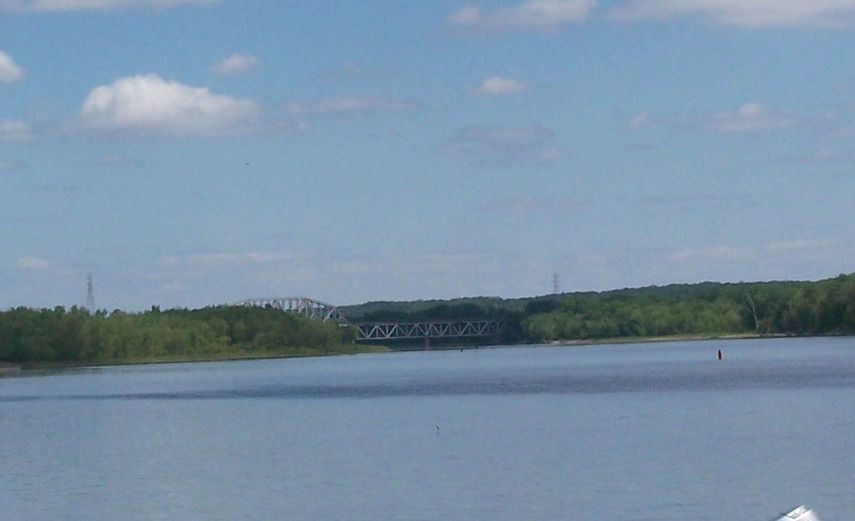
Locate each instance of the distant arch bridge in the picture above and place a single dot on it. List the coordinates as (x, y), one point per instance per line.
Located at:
(385, 330)
(310, 308)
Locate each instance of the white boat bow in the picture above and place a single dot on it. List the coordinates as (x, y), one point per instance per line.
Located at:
(800, 513)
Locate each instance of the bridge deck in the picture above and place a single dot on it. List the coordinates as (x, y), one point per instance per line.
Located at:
(429, 329)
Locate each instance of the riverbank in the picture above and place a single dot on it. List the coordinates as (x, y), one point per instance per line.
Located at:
(365, 349)
(183, 359)
(677, 338)
(9, 368)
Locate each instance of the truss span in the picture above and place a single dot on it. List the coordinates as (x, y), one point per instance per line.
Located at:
(424, 330)
(307, 307)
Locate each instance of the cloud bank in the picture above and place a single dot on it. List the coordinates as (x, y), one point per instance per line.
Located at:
(150, 104)
(745, 13)
(499, 86)
(33, 263)
(530, 14)
(14, 131)
(750, 117)
(88, 5)
(9, 70)
(235, 64)
(488, 145)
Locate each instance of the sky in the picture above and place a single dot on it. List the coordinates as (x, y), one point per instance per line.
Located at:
(190, 153)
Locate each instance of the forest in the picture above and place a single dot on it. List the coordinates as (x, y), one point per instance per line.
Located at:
(825, 307)
(75, 336)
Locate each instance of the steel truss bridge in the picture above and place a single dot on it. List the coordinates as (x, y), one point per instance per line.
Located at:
(382, 331)
(307, 307)
(427, 330)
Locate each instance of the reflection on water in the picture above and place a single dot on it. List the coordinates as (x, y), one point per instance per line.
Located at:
(661, 431)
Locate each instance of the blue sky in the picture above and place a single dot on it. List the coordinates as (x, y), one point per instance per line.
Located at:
(198, 152)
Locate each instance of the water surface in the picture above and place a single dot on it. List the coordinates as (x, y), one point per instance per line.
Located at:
(656, 431)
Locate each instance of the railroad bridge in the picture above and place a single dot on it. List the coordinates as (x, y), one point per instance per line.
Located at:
(386, 330)
(307, 307)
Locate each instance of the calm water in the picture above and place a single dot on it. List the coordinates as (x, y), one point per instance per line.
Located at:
(653, 432)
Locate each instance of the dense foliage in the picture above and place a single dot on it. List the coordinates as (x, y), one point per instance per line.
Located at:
(790, 308)
(469, 308)
(76, 336)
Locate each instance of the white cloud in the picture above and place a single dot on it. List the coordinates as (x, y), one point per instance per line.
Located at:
(745, 13)
(33, 263)
(9, 70)
(345, 106)
(499, 86)
(750, 117)
(530, 14)
(235, 64)
(14, 131)
(88, 5)
(150, 104)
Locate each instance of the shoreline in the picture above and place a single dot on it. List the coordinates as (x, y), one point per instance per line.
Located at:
(683, 338)
(230, 357)
(9, 368)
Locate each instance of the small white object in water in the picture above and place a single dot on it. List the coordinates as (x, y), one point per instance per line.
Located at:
(800, 513)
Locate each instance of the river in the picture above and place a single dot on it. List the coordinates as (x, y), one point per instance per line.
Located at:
(609, 432)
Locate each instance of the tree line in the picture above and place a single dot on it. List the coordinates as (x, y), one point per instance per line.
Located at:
(76, 336)
(825, 307)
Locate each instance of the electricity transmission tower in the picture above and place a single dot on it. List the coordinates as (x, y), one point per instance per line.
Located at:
(90, 295)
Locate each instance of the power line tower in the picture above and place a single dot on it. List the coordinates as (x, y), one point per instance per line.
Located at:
(90, 294)
(555, 283)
